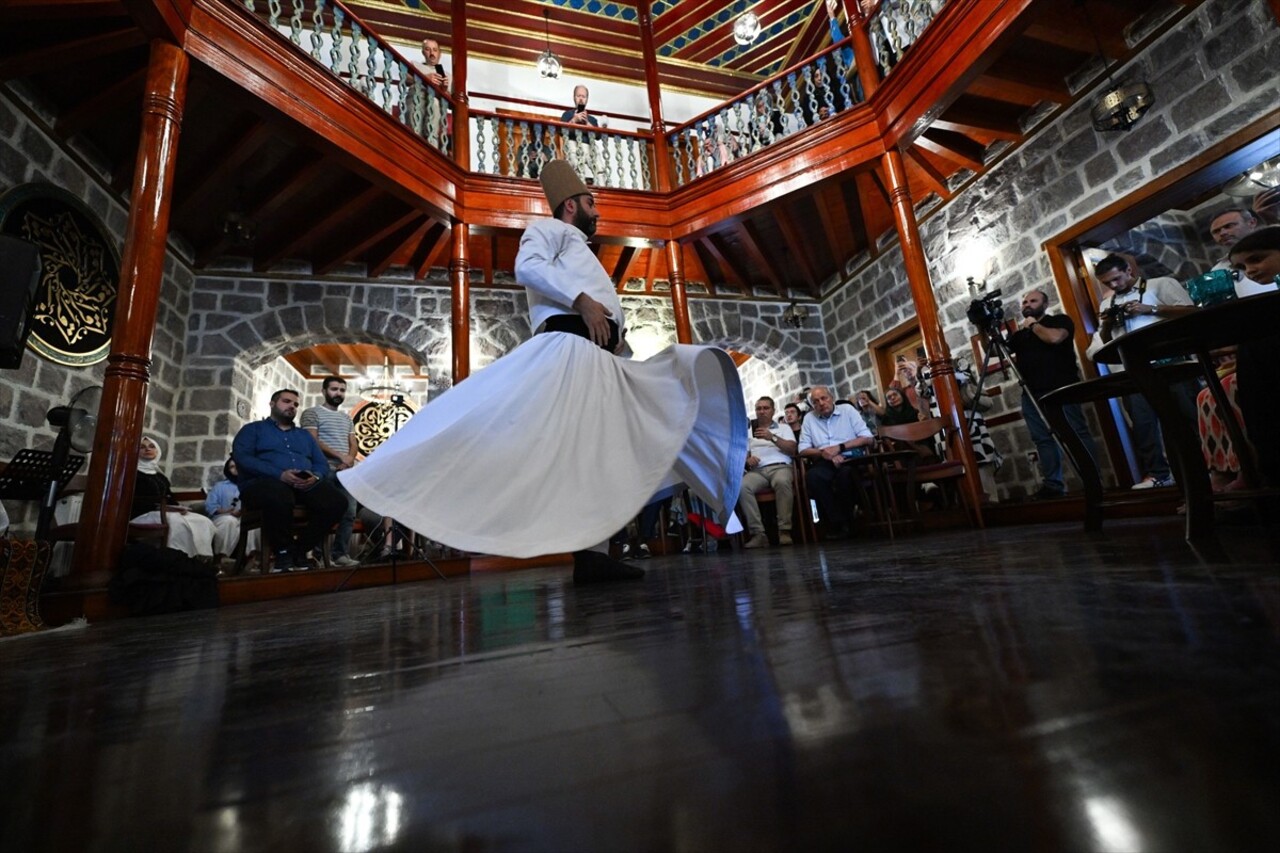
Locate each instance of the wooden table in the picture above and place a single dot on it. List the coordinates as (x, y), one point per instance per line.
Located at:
(1193, 334)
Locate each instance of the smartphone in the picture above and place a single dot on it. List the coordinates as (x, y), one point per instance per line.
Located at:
(306, 475)
(440, 70)
(581, 108)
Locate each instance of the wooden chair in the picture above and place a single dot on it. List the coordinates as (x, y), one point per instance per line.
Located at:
(917, 470)
(251, 519)
(801, 518)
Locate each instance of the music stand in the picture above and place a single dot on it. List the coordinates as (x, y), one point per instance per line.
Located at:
(35, 475)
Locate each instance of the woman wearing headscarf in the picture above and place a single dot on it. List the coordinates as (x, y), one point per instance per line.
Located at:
(189, 532)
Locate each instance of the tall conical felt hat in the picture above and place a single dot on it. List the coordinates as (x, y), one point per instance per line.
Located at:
(560, 181)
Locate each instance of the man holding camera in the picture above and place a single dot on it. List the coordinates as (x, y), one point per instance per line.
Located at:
(281, 466)
(1042, 347)
(1133, 302)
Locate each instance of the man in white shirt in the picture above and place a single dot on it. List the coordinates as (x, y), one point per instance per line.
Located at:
(830, 436)
(769, 455)
(1132, 303)
(569, 291)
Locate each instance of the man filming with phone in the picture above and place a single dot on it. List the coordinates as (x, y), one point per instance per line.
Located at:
(281, 466)
(577, 114)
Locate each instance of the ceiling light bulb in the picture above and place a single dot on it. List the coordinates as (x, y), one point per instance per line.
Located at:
(746, 29)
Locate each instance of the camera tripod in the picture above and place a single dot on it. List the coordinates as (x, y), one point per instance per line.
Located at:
(392, 538)
(998, 345)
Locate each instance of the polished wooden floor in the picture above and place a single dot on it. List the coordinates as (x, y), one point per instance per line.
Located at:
(1016, 689)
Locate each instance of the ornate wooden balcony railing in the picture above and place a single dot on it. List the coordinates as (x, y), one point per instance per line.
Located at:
(341, 43)
(795, 99)
(516, 147)
(788, 103)
(895, 26)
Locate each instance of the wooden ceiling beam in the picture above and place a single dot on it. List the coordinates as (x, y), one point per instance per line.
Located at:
(217, 176)
(411, 235)
(620, 267)
(835, 221)
(751, 243)
(1022, 82)
(971, 115)
(1064, 27)
(875, 217)
(274, 194)
(102, 103)
(796, 244)
(433, 248)
(369, 233)
(57, 10)
(933, 179)
(694, 270)
(952, 147)
(64, 54)
(701, 253)
(294, 235)
(733, 273)
(352, 356)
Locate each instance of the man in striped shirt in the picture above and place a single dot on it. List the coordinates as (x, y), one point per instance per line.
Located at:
(336, 436)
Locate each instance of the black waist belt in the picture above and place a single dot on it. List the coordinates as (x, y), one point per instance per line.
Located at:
(575, 325)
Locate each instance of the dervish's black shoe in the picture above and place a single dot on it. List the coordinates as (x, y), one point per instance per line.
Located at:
(594, 567)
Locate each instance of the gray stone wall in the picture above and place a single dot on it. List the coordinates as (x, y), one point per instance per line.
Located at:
(1172, 244)
(1213, 74)
(28, 153)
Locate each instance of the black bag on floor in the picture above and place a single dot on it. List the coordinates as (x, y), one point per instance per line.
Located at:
(162, 580)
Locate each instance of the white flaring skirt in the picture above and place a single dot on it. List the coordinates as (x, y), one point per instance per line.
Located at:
(558, 444)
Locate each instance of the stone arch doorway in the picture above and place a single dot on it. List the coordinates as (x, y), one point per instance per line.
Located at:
(224, 393)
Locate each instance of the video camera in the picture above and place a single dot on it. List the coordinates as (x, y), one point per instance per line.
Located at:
(987, 312)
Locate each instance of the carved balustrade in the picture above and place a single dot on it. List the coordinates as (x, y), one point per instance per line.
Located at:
(895, 26)
(340, 42)
(518, 147)
(799, 97)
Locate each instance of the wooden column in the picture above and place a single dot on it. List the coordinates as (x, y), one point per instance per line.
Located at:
(941, 367)
(1275, 9)
(661, 151)
(862, 53)
(679, 301)
(462, 105)
(460, 285)
(104, 516)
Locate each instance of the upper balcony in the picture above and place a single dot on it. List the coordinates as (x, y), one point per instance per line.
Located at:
(310, 142)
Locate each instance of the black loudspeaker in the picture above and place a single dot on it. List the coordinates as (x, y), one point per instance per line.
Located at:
(19, 276)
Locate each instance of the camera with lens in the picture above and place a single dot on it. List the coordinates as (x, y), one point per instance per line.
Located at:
(987, 313)
(1114, 315)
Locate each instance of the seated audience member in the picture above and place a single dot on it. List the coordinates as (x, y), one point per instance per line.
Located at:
(281, 466)
(869, 407)
(793, 417)
(769, 455)
(222, 505)
(189, 532)
(830, 437)
(1258, 362)
(897, 411)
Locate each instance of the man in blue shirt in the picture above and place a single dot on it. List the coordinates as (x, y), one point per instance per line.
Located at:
(281, 466)
(830, 436)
